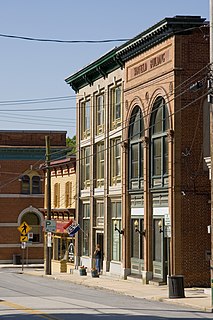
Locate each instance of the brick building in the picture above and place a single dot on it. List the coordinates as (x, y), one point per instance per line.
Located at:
(22, 190)
(143, 133)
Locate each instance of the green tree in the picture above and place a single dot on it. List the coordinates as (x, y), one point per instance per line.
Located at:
(71, 143)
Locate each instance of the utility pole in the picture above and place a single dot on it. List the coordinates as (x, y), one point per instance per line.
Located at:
(48, 234)
(211, 142)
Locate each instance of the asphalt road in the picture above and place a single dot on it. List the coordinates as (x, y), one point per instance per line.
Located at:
(29, 297)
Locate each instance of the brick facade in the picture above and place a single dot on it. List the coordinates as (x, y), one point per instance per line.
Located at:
(172, 209)
(21, 152)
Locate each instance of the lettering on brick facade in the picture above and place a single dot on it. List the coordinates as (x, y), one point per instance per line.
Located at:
(148, 65)
(140, 69)
(156, 61)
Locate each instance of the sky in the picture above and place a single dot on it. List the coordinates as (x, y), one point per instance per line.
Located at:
(33, 91)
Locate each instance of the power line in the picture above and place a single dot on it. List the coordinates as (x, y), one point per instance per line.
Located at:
(61, 41)
(32, 101)
(40, 109)
(123, 128)
(11, 36)
(38, 124)
(38, 118)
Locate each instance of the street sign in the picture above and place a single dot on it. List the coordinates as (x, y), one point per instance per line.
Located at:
(23, 245)
(50, 225)
(49, 239)
(167, 231)
(30, 235)
(167, 221)
(24, 228)
(23, 238)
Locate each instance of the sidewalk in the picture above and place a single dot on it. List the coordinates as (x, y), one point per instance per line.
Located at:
(196, 298)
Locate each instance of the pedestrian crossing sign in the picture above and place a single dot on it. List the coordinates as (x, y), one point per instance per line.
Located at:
(24, 228)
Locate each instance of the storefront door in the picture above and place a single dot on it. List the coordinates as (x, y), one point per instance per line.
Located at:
(159, 250)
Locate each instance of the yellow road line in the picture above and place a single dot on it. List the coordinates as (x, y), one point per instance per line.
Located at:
(27, 310)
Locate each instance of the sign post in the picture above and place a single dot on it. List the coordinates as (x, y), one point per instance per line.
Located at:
(24, 228)
(23, 247)
(167, 235)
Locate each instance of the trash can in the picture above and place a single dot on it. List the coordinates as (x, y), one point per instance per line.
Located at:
(16, 259)
(176, 287)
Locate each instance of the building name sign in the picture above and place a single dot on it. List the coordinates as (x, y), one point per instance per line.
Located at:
(149, 64)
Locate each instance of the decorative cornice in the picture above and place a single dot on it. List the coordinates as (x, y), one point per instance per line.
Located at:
(159, 32)
(117, 57)
(94, 71)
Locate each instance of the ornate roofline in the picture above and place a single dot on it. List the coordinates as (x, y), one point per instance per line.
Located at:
(96, 70)
(117, 57)
(157, 33)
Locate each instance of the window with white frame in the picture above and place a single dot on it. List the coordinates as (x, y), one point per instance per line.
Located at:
(85, 119)
(159, 143)
(85, 167)
(116, 236)
(86, 229)
(100, 164)
(99, 213)
(115, 161)
(116, 107)
(100, 114)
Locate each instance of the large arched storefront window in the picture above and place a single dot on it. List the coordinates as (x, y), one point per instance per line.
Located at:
(159, 144)
(136, 189)
(159, 184)
(136, 131)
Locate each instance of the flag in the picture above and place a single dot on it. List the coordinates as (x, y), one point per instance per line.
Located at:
(72, 229)
(68, 224)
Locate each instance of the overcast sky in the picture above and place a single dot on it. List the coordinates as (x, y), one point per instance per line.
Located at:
(32, 70)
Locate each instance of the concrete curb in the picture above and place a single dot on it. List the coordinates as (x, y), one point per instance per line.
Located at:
(196, 299)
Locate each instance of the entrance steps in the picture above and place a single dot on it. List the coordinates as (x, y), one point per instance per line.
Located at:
(157, 282)
(134, 278)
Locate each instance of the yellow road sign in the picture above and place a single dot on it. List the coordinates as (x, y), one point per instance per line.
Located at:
(23, 238)
(24, 228)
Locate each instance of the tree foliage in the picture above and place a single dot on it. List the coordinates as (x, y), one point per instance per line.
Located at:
(71, 143)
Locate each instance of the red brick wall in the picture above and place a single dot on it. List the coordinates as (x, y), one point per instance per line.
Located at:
(192, 55)
(11, 200)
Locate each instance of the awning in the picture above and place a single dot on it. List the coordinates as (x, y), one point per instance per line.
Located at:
(60, 226)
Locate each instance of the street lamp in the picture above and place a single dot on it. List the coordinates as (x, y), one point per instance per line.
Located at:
(137, 230)
(116, 228)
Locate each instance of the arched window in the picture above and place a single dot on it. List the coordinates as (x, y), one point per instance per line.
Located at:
(34, 222)
(36, 185)
(136, 131)
(30, 184)
(25, 184)
(159, 144)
